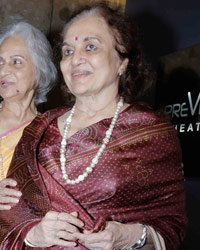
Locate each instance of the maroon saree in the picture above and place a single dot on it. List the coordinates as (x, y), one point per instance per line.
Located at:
(139, 177)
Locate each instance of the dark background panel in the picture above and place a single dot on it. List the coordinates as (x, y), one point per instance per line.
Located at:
(170, 36)
(166, 26)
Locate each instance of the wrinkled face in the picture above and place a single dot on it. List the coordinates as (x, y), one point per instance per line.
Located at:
(90, 63)
(17, 70)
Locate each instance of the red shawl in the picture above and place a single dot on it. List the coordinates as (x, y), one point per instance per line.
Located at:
(139, 177)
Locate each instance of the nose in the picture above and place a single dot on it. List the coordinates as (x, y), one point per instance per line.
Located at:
(78, 58)
(4, 69)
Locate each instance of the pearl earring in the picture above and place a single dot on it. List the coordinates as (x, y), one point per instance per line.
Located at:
(121, 72)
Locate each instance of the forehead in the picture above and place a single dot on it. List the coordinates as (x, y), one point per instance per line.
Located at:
(91, 25)
(13, 45)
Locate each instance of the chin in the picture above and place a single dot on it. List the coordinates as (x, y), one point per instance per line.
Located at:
(80, 91)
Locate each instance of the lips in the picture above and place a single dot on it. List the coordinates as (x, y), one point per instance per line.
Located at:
(76, 74)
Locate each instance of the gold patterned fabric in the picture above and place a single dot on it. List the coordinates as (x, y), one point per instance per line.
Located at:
(118, 2)
(121, 3)
(8, 141)
(137, 179)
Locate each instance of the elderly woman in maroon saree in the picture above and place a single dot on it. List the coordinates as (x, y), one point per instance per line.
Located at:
(114, 181)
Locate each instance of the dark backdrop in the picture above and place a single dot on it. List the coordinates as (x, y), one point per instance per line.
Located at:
(166, 26)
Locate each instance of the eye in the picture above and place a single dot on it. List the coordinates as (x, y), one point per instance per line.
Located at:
(68, 52)
(1, 62)
(16, 62)
(91, 47)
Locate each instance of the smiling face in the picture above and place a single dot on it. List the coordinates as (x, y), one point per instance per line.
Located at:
(17, 70)
(90, 63)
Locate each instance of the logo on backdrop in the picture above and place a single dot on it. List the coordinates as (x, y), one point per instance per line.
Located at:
(185, 115)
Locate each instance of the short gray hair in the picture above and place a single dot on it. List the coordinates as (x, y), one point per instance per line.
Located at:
(41, 53)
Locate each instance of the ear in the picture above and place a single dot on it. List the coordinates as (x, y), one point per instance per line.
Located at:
(123, 66)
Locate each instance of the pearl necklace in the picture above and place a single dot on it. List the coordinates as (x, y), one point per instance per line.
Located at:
(95, 160)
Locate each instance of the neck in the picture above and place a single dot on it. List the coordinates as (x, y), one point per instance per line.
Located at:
(93, 106)
(18, 112)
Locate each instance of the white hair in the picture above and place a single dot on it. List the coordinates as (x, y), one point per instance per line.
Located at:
(41, 53)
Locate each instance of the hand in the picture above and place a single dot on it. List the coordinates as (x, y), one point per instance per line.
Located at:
(115, 236)
(55, 229)
(8, 194)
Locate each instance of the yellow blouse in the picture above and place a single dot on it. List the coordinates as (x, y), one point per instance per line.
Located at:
(8, 142)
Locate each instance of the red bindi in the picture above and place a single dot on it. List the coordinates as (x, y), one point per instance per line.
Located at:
(76, 38)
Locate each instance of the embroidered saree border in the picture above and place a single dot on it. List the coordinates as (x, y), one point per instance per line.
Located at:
(129, 137)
